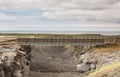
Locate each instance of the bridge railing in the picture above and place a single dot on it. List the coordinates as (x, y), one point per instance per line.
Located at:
(61, 41)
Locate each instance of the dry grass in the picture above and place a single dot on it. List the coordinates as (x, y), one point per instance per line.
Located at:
(7, 39)
(106, 71)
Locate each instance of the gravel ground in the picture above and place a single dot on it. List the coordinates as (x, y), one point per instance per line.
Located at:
(63, 74)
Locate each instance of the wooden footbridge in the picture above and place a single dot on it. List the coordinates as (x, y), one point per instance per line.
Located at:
(59, 41)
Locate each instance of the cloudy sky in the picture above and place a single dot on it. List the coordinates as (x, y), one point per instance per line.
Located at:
(60, 15)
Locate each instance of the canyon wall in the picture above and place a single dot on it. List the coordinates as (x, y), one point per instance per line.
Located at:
(60, 59)
(14, 62)
(19, 61)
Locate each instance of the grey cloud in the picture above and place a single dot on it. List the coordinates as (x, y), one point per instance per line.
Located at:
(102, 11)
(51, 4)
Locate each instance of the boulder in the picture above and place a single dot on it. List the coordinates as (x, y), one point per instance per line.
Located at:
(92, 66)
(83, 68)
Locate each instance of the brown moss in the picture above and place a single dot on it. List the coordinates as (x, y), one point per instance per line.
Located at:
(107, 48)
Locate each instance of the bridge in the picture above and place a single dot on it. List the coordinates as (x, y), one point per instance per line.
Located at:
(60, 41)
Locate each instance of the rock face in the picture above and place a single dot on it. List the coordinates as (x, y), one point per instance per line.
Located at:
(13, 62)
(57, 58)
(70, 58)
(87, 63)
(62, 58)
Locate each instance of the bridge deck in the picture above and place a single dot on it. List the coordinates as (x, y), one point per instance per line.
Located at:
(61, 41)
